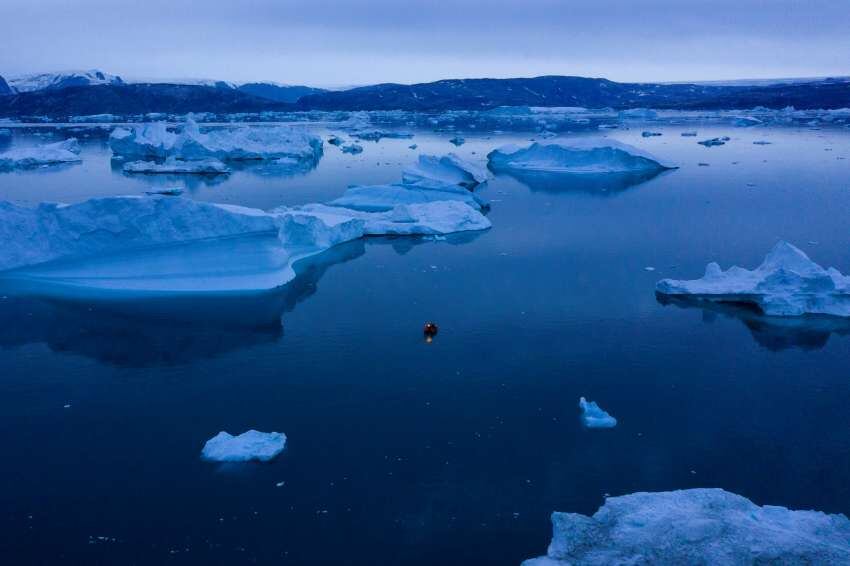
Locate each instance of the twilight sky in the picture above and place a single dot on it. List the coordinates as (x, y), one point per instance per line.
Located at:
(339, 42)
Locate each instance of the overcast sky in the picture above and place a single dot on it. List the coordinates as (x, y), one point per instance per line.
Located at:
(338, 42)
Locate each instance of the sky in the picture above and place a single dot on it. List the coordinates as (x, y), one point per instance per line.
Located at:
(336, 43)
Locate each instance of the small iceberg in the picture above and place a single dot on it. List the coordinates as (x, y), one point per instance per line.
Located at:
(746, 121)
(352, 148)
(787, 283)
(381, 198)
(67, 151)
(714, 142)
(695, 526)
(244, 143)
(761, 142)
(172, 166)
(578, 156)
(457, 140)
(446, 170)
(248, 446)
(593, 416)
(689, 134)
(650, 134)
(378, 135)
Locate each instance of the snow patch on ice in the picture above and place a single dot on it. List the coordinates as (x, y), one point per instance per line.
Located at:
(445, 170)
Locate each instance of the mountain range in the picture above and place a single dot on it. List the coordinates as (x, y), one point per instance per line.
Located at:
(95, 92)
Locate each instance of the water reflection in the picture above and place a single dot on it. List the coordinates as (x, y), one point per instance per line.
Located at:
(601, 184)
(162, 331)
(776, 333)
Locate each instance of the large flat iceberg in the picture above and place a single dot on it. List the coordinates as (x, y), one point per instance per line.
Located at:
(575, 156)
(67, 151)
(173, 166)
(593, 416)
(169, 244)
(154, 140)
(706, 527)
(787, 283)
(245, 447)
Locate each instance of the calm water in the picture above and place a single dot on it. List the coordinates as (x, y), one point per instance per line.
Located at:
(455, 452)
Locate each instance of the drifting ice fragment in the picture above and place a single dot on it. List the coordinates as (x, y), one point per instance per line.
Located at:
(689, 134)
(787, 283)
(761, 142)
(695, 526)
(650, 134)
(228, 144)
(250, 445)
(457, 140)
(50, 154)
(594, 417)
(380, 198)
(714, 141)
(448, 169)
(352, 148)
(173, 166)
(746, 121)
(583, 155)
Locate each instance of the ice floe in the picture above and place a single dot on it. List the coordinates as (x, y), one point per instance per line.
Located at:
(169, 244)
(714, 142)
(245, 447)
(695, 526)
(352, 148)
(447, 170)
(578, 156)
(67, 151)
(787, 283)
(173, 166)
(593, 416)
(154, 140)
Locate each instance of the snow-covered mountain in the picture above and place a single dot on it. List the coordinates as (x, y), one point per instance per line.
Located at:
(268, 90)
(60, 80)
(4, 87)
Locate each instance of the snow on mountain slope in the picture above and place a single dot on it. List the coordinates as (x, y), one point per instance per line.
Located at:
(61, 80)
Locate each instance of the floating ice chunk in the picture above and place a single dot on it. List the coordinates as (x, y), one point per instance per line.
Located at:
(377, 135)
(227, 144)
(335, 140)
(380, 198)
(30, 236)
(428, 218)
(457, 140)
(250, 445)
(714, 141)
(50, 154)
(695, 526)
(787, 283)
(689, 134)
(173, 166)
(761, 142)
(95, 119)
(650, 134)
(593, 416)
(169, 192)
(448, 169)
(352, 148)
(144, 140)
(638, 113)
(746, 121)
(579, 156)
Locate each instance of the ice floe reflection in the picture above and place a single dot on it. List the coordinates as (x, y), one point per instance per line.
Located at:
(157, 331)
(598, 184)
(776, 333)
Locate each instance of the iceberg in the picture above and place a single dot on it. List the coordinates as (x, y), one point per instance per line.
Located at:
(381, 198)
(245, 143)
(248, 446)
(352, 148)
(787, 283)
(67, 151)
(689, 134)
(695, 526)
(746, 121)
(650, 134)
(714, 142)
(446, 170)
(578, 156)
(168, 245)
(593, 416)
(457, 140)
(173, 166)
(378, 135)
